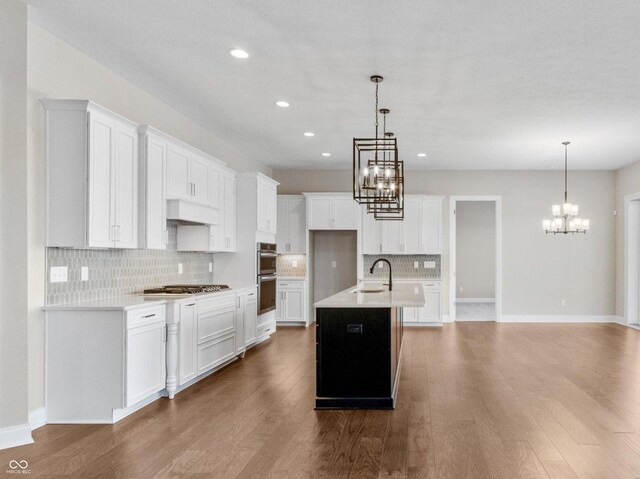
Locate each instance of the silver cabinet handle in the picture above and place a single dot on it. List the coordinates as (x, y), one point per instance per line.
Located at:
(149, 315)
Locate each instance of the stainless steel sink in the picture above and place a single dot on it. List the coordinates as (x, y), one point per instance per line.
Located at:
(372, 290)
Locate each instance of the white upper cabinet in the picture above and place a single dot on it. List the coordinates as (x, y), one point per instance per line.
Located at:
(418, 233)
(187, 174)
(291, 235)
(92, 176)
(267, 206)
(228, 202)
(153, 160)
(332, 211)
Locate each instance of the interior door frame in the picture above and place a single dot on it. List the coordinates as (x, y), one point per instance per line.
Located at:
(631, 258)
(453, 200)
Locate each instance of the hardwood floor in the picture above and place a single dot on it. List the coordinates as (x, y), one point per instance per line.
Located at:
(476, 400)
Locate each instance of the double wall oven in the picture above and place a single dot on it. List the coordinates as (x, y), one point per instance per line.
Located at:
(266, 277)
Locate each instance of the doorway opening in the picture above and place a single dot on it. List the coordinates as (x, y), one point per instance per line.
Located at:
(632, 259)
(475, 281)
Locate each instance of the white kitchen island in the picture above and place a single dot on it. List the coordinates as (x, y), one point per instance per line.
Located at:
(359, 344)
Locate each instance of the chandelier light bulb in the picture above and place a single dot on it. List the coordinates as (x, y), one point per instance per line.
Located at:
(578, 222)
(557, 222)
(387, 172)
(566, 208)
(555, 209)
(376, 170)
(393, 186)
(379, 186)
(365, 172)
(585, 224)
(546, 225)
(574, 210)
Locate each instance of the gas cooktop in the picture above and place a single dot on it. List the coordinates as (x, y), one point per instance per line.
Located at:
(182, 289)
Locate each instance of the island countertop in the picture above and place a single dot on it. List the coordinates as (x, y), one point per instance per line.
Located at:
(404, 295)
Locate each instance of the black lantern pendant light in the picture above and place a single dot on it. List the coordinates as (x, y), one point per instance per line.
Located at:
(378, 175)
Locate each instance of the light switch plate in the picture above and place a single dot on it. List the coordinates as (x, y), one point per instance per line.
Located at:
(179, 268)
(294, 263)
(210, 267)
(84, 273)
(58, 274)
(333, 264)
(429, 264)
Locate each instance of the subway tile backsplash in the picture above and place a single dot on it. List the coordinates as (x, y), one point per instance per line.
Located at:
(118, 272)
(403, 266)
(285, 265)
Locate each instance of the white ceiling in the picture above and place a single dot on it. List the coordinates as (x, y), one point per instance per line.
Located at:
(473, 84)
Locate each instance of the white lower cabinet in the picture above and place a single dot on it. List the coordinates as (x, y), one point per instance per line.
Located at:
(145, 352)
(290, 301)
(431, 312)
(187, 339)
(117, 367)
(250, 317)
(215, 352)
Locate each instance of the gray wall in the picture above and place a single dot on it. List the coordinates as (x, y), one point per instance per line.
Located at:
(329, 246)
(14, 213)
(475, 249)
(538, 270)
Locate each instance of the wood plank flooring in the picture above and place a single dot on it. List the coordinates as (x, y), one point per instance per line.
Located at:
(476, 400)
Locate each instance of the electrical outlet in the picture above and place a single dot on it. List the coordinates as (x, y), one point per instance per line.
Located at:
(334, 264)
(210, 267)
(179, 268)
(415, 264)
(58, 274)
(294, 263)
(563, 302)
(84, 273)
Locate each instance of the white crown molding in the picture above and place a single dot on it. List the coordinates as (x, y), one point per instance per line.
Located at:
(15, 436)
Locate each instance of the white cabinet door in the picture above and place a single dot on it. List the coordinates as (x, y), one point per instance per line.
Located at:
(432, 226)
(239, 336)
(282, 235)
(267, 208)
(431, 311)
(126, 187)
(145, 361)
(199, 179)
(250, 318)
(229, 215)
(294, 304)
(178, 185)
(272, 209)
(297, 230)
(215, 188)
(281, 313)
(413, 233)
(320, 214)
(188, 339)
(410, 315)
(391, 237)
(156, 233)
(102, 133)
(345, 214)
(371, 234)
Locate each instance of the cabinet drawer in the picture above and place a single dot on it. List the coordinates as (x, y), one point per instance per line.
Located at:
(143, 316)
(290, 284)
(216, 352)
(216, 322)
(225, 301)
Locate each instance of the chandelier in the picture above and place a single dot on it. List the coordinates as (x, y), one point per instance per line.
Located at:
(565, 217)
(378, 175)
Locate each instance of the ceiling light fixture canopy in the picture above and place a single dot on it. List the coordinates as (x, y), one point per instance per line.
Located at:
(378, 175)
(565, 217)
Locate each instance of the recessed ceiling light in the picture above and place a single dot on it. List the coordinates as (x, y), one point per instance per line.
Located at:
(308, 133)
(236, 52)
(282, 104)
(326, 154)
(422, 155)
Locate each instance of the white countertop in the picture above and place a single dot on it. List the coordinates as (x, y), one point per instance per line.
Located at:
(404, 294)
(133, 301)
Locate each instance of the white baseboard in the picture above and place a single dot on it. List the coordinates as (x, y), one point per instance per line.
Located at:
(423, 325)
(37, 418)
(509, 318)
(475, 300)
(15, 436)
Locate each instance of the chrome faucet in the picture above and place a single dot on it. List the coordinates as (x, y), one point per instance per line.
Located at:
(389, 264)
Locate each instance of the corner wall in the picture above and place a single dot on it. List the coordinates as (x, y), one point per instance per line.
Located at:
(538, 270)
(14, 428)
